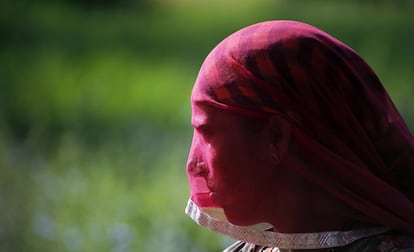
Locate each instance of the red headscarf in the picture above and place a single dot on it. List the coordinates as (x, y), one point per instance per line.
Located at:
(356, 145)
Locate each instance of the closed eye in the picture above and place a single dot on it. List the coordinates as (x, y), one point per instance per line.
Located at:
(204, 129)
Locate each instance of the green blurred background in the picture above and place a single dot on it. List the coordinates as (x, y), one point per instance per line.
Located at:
(94, 110)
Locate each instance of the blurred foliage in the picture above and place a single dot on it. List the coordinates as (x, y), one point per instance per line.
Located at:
(94, 110)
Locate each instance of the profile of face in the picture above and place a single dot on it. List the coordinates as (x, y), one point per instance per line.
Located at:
(225, 144)
(329, 134)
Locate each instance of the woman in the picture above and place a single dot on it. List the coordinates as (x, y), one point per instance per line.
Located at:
(297, 146)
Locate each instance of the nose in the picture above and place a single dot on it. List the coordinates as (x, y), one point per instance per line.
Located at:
(197, 168)
(196, 164)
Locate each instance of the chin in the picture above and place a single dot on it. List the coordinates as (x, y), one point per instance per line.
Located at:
(238, 218)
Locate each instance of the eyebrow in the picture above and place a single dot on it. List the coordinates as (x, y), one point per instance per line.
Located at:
(201, 125)
(204, 123)
(200, 120)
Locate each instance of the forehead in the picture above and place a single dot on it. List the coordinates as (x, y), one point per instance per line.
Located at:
(203, 114)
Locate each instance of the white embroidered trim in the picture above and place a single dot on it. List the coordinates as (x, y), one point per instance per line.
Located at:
(280, 240)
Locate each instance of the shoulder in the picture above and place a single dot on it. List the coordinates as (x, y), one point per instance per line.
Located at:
(388, 242)
(248, 247)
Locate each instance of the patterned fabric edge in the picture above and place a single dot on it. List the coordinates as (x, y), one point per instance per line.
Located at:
(280, 240)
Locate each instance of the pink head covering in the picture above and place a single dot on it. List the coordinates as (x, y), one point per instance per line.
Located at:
(355, 146)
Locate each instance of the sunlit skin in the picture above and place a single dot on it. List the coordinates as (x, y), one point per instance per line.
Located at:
(227, 143)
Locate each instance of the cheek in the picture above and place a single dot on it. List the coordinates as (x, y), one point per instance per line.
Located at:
(244, 172)
(231, 168)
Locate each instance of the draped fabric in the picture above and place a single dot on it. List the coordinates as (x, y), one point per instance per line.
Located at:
(355, 146)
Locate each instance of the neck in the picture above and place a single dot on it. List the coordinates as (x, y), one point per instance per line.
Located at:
(303, 207)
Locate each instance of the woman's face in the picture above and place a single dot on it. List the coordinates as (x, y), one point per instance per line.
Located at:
(229, 157)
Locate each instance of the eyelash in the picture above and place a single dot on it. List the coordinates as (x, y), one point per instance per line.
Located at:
(205, 131)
